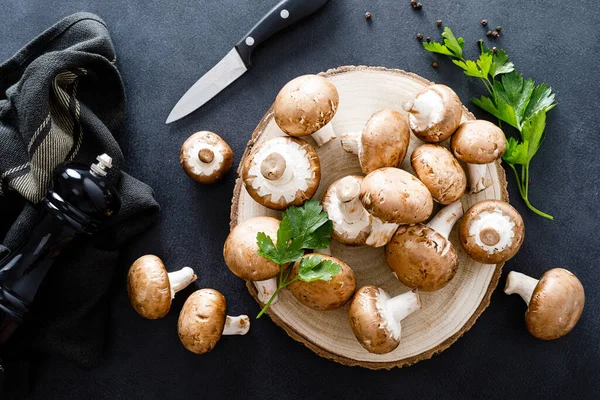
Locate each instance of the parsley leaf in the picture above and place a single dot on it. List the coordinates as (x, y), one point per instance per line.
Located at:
(314, 268)
(436, 47)
(516, 152)
(542, 98)
(500, 64)
(533, 132)
(499, 109)
(451, 46)
(310, 223)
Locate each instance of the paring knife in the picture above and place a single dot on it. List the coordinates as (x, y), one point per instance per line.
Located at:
(239, 59)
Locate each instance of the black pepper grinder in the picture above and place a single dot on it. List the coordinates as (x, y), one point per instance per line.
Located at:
(81, 200)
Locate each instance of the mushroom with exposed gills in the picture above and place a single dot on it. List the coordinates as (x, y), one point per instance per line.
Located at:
(151, 288)
(421, 256)
(440, 171)
(555, 302)
(282, 172)
(376, 318)
(491, 231)
(478, 143)
(324, 295)
(206, 157)
(305, 106)
(382, 143)
(242, 258)
(203, 320)
(435, 113)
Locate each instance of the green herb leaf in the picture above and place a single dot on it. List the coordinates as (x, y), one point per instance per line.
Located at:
(515, 92)
(533, 132)
(314, 268)
(501, 110)
(283, 254)
(310, 223)
(436, 47)
(470, 68)
(500, 64)
(516, 153)
(542, 98)
(451, 47)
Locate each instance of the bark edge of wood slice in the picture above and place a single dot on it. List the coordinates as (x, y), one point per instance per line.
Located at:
(446, 314)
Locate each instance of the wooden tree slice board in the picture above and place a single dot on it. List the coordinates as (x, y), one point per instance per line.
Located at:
(445, 314)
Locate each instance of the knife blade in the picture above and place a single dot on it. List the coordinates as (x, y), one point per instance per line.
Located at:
(239, 59)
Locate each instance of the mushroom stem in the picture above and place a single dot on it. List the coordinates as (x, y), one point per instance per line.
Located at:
(445, 219)
(403, 305)
(348, 194)
(181, 279)
(239, 325)
(350, 141)
(266, 289)
(206, 155)
(381, 232)
(521, 284)
(324, 135)
(273, 166)
(477, 177)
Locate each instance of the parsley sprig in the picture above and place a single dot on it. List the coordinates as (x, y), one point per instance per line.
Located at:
(301, 228)
(512, 99)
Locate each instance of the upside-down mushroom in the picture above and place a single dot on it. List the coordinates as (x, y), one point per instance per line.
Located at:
(206, 157)
(305, 106)
(282, 172)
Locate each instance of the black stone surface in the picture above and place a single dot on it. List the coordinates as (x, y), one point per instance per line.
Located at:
(164, 46)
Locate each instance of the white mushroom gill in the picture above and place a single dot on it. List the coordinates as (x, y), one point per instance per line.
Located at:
(381, 232)
(198, 166)
(493, 231)
(477, 177)
(521, 284)
(445, 219)
(181, 279)
(265, 289)
(394, 310)
(427, 110)
(239, 325)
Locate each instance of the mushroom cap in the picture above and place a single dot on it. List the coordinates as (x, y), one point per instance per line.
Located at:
(440, 171)
(202, 320)
(368, 322)
(298, 181)
(148, 287)
(491, 231)
(324, 295)
(241, 251)
(384, 141)
(478, 142)
(305, 105)
(217, 155)
(421, 258)
(556, 305)
(394, 195)
(435, 113)
(347, 230)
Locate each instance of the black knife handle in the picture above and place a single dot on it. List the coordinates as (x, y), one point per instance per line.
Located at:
(284, 14)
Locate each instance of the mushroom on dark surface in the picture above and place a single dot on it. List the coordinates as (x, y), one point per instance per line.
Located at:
(203, 320)
(555, 302)
(151, 289)
(435, 113)
(206, 157)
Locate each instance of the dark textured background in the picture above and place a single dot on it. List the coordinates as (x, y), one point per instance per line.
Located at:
(164, 46)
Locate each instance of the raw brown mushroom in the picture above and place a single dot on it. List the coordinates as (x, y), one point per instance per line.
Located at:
(151, 289)
(382, 143)
(305, 106)
(435, 113)
(203, 320)
(555, 302)
(491, 231)
(421, 256)
(242, 258)
(478, 143)
(324, 295)
(375, 317)
(205, 157)
(437, 168)
(282, 172)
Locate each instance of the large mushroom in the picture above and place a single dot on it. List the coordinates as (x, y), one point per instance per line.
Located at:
(282, 172)
(421, 256)
(478, 143)
(555, 302)
(382, 143)
(151, 288)
(435, 113)
(491, 231)
(241, 255)
(324, 295)
(375, 317)
(205, 157)
(305, 106)
(203, 320)
(439, 170)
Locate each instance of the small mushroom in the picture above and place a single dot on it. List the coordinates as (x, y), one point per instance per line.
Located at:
(241, 255)
(439, 170)
(382, 143)
(206, 157)
(478, 143)
(435, 113)
(555, 302)
(324, 295)
(375, 317)
(203, 320)
(282, 172)
(421, 256)
(305, 106)
(151, 289)
(491, 231)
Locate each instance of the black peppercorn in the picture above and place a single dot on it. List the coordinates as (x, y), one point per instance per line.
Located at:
(428, 39)
(419, 36)
(495, 34)
(435, 64)
(484, 22)
(494, 49)
(498, 28)
(438, 22)
(367, 15)
(488, 33)
(413, 3)
(419, 6)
